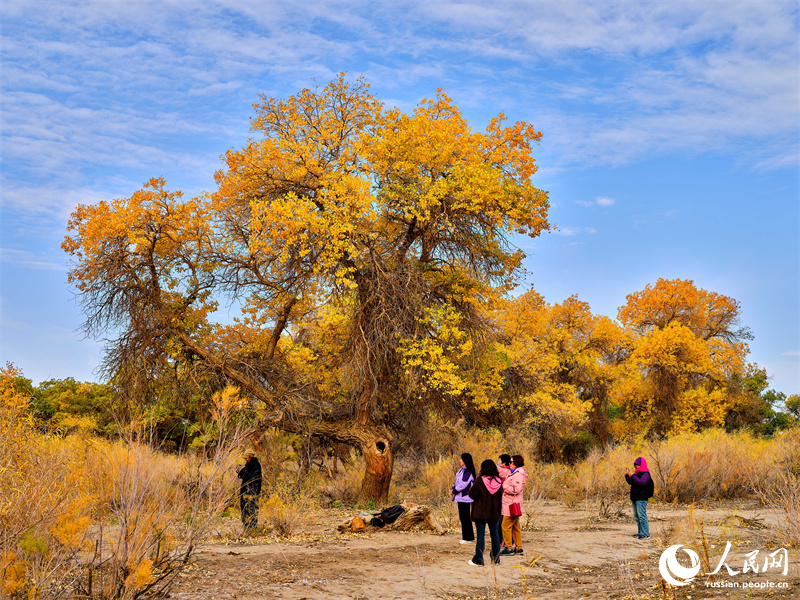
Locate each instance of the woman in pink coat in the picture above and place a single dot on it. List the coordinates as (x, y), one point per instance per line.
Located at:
(513, 488)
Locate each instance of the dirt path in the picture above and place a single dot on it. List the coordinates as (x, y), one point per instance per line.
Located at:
(571, 555)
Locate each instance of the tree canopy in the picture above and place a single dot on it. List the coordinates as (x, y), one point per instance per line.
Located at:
(360, 247)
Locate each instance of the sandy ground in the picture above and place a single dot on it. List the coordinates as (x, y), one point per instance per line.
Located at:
(569, 553)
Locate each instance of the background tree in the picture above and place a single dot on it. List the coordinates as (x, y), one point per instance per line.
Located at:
(384, 233)
(67, 404)
(686, 345)
(561, 361)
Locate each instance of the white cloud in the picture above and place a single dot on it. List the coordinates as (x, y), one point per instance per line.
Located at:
(574, 231)
(142, 86)
(599, 201)
(24, 258)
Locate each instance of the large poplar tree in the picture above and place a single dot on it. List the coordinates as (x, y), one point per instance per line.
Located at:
(359, 244)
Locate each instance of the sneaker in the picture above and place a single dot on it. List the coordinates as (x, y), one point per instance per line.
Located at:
(636, 535)
(507, 552)
(465, 542)
(474, 564)
(644, 537)
(519, 551)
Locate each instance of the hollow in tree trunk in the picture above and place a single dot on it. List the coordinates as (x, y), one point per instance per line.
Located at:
(378, 464)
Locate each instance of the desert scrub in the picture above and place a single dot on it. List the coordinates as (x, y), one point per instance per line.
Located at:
(777, 484)
(435, 479)
(601, 474)
(710, 464)
(343, 488)
(287, 499)
(282, 517)
(86, 517)
(44, 500)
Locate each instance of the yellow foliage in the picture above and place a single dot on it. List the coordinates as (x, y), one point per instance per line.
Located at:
(141, 575)
(561, 358)
(363, 245)
(226, 402)
(435, 356)
(58, 494)
(13, 574)
(684, 347)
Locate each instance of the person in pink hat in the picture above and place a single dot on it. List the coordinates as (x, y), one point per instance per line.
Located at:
(642, 490)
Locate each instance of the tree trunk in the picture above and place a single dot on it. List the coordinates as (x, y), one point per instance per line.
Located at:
(378, 465)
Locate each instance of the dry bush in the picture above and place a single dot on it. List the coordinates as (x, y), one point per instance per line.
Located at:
(43, 507)
(544, 482)
(691, 532)
(100, 520)
(710, 464)
(287, 499)
(685, 468)
(785, 451)
(435, 480)
(600, 480)
(152, 512)
(783, 493)
(344, 487)
(283, 518)
(778, 485)
(428, 481)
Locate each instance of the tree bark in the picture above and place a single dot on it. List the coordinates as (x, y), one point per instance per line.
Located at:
(379, 463)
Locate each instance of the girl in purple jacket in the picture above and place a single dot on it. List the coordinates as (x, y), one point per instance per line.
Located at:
(464, 480)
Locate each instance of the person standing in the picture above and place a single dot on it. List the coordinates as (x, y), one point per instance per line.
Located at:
(464, 480)
(504, 469)
(487, 496)
(513, 488)
(642, 490)
(504, 466)
(250, 474)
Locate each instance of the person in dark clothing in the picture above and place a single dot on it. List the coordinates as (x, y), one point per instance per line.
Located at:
(487, 496)
(464, 480)
(642, 490)
(250, 474)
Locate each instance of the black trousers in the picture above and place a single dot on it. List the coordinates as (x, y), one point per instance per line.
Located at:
(249, 504)
(466, 522)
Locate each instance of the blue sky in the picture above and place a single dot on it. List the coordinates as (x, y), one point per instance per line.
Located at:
(670, 143)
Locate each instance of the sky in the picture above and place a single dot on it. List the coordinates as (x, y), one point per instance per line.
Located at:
(669, 150)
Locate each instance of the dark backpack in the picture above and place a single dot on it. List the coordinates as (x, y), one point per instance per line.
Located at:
(389, 515)
(650, 488)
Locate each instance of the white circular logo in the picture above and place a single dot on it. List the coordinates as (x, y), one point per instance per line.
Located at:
(670, 567)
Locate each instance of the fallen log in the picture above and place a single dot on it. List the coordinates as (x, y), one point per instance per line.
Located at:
(415, 515)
